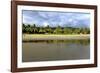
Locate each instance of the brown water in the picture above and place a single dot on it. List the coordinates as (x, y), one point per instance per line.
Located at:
(51, 50)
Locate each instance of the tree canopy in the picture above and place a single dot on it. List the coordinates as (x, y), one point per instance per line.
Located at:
(33, 29)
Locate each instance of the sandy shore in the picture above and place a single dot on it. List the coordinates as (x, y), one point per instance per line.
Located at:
(30, 37)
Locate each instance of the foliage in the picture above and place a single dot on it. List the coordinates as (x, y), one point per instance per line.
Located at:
(58, 30)
(33, 29)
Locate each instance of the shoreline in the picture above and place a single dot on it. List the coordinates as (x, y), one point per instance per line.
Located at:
(30, 37)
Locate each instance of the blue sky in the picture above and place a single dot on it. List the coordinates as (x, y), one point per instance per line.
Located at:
(53, 19)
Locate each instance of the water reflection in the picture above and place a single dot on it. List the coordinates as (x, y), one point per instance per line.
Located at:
(50, 50)
(83, 42)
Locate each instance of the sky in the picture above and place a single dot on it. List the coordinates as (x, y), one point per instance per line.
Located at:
(54, 19)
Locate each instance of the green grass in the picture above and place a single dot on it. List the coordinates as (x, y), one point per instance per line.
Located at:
(54, 36)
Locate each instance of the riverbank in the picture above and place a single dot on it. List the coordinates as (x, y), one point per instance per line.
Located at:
(30, 37)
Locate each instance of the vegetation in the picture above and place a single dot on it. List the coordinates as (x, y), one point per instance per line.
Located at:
(33, 29)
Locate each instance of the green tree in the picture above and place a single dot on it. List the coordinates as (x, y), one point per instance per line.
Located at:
(58, 30)
(28, 29)
(48, 29)
(67, 31)
(77, 31)
(42, 31)
(24, 28)
(34, 29)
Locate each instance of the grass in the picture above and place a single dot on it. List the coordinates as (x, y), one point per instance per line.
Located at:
(54, 35)
(27, 37)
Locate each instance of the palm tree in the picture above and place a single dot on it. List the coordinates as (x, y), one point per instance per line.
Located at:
(34, 28)
(58, 30)
(24, 28)
(28, 28)
(48, 29)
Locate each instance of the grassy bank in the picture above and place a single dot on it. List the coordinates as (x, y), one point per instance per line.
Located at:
(30, 37)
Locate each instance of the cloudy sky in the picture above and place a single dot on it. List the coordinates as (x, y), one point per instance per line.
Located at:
(53, 19)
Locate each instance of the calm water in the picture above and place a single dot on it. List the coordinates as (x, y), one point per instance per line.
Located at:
(51, 50)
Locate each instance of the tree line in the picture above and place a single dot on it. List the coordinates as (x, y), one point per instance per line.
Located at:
(33, 29)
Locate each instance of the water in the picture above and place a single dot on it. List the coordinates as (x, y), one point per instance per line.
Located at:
(51, 50)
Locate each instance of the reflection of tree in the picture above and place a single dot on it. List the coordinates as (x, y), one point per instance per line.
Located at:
(80, 42)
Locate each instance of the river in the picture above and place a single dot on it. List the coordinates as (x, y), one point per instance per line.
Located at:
(52, 50)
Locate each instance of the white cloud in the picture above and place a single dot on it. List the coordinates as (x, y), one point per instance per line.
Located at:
(45, 24)
(44, 18)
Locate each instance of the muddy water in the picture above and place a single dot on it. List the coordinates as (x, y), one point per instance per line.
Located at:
(51, 50)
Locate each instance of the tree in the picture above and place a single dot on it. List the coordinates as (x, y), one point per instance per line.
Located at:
(42, 31)
(24, 28)
(48, 29)
(67, 30)
(52, 30)
(28, 29)
(34, 29)
(58, 30)
(77, 31)
(87, 31)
